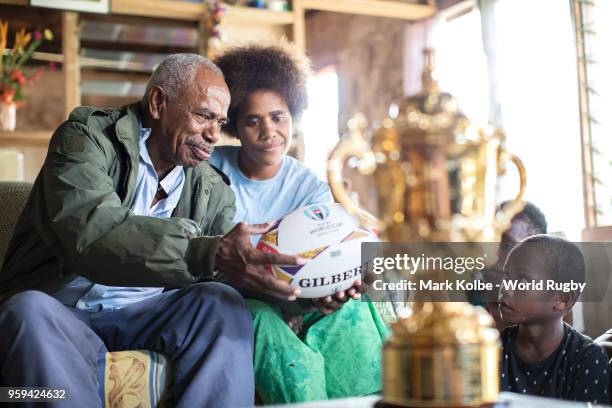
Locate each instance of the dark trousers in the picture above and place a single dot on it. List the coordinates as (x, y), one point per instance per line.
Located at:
(205, 331)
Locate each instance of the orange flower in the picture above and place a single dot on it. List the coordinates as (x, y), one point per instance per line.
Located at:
(21, 40)
(7, 94)
(17, 76)
(3, 36)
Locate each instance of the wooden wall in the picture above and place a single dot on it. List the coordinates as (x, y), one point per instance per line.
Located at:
(597, 314)
(367, 53)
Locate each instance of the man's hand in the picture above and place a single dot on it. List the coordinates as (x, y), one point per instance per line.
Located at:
(329, 304)
(244, 266)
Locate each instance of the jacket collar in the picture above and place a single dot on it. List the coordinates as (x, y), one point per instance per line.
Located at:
(127, 129)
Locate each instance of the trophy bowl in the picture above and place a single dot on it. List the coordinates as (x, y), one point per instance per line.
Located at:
(436, 175)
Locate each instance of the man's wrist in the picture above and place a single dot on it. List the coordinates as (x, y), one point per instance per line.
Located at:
(201, 255)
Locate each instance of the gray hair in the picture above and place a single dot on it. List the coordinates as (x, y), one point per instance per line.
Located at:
(175, 73)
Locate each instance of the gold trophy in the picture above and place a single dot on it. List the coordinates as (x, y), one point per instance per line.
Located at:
(436, 175)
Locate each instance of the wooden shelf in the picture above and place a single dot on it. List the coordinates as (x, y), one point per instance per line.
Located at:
(183, 10)
(15, 2)
(88, 62)
(178, 10)
(252, 15)
(375, 8)
(18, 138)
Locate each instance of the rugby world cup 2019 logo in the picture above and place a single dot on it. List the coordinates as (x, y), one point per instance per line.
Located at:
(317, 212)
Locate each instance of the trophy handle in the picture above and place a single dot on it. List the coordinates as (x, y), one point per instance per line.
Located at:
(504, 217)
(353, 146)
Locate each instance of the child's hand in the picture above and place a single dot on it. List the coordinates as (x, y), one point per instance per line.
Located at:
(329, 304)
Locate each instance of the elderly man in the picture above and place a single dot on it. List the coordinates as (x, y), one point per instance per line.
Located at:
(124, 206)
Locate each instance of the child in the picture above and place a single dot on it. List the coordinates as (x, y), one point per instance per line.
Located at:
(529, 221)
(541, 355)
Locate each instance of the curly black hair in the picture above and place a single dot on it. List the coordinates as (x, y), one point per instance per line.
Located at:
(533, 215)
(278, 67)
(565, 261)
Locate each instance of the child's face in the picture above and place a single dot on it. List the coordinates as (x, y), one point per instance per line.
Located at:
(264, 126)
(527, 263)
(519, 230)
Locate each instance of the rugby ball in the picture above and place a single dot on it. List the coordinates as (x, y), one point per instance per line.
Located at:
(329, 238)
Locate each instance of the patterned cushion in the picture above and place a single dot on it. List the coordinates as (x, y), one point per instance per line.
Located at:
(13, 197)
(134, 378)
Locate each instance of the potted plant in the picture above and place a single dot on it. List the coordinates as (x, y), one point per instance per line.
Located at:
(12, 76)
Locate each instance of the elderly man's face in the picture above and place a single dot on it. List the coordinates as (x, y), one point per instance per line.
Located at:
(190, 125)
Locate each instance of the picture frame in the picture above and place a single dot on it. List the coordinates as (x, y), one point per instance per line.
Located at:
(88, 6)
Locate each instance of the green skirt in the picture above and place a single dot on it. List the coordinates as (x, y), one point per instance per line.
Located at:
(338, 356)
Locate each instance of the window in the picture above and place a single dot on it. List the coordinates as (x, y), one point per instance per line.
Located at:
(462, 70)
(320, 121)
(537, 91)
(596, 38)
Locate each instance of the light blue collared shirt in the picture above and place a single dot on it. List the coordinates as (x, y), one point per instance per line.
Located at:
(146, 186)
(259, 201)
(106, 298)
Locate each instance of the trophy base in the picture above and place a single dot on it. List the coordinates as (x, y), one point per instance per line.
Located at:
(382, 404)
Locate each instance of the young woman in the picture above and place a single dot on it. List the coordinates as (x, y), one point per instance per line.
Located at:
(336, 351)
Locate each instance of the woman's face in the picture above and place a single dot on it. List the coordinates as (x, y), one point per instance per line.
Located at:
(264, 128)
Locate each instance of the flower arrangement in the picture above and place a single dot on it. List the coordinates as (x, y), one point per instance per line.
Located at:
(12, 76)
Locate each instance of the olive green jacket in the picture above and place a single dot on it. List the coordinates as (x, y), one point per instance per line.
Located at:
(77, 219)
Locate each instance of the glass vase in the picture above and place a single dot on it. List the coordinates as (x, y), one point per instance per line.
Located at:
(8, 116)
